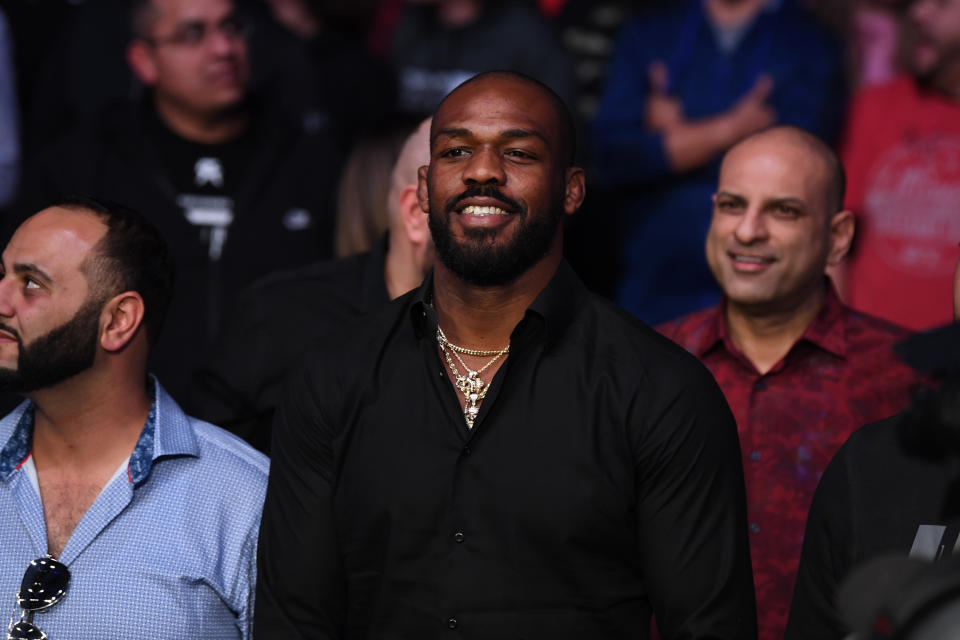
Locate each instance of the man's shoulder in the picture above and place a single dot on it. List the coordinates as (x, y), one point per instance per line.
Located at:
(324, 284)
(865, 333)
(880, 97)
(610, 331)
(229, 452)
(218, 454)
(688, 331)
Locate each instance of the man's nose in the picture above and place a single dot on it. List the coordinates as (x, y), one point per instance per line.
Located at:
(751, 227)
(484, 167)
(223, 41)
(6, 297)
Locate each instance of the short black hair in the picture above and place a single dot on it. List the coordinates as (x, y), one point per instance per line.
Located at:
(567, 126)
(132, 256)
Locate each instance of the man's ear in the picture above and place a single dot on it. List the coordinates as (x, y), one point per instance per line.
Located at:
(121, 318)
(842, 228)
(422, 197)
(575, 190)
(415, 221)
(140, 59)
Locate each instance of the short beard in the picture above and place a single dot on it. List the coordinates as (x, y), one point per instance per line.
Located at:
(56, 356)
(478, 260)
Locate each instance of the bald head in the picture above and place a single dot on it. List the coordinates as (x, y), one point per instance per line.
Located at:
(414, 154)
(832, 180)
(566, 130)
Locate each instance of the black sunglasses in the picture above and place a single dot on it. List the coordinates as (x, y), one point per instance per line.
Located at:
(44, 584)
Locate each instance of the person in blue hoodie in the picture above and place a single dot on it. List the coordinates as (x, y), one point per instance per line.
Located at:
(685, 84)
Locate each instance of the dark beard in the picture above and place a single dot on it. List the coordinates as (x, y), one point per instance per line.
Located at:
(60, 354)
(480, 262)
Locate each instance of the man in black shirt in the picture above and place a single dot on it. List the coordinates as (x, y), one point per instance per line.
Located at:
(500, 453)
(239, 385)
(237, 188)
(892, 488)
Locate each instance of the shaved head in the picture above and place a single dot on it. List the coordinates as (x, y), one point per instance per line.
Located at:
(568, 132)
(835, 179)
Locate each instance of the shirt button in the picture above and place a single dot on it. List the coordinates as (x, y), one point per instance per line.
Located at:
(452, 623)
(760, 385)
(754, 527)
(467, 451)
(755, 455)
(458, 537)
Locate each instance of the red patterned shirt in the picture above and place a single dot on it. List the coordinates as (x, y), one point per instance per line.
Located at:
(840, 374)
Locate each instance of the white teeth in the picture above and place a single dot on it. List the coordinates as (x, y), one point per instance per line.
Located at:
(750, 259)
(483, 211)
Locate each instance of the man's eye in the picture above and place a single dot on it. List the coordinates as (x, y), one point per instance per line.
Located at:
(520, 154)
(30, 283)
(456, 152)
(726, 205)
(786, 211)
(192, 33)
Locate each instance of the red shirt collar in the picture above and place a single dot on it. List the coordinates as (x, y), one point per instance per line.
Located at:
(827, 330)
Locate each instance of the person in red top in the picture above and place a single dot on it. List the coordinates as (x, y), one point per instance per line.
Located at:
(799, 369)
(902, 155)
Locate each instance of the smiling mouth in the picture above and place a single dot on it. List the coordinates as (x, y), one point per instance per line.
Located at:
(473, 210)
(740, 257)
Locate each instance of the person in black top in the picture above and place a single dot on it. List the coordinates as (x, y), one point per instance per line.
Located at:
(239, 385)
(501, 453)
(892, 488)
(238, 189)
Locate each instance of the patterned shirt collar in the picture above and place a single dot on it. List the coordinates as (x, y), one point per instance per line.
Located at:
(827, 331)
(175, 438)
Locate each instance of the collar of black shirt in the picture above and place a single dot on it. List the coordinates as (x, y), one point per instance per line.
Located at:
(552, 310)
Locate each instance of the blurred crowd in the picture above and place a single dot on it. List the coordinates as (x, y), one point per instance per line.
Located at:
(264, 135)
(97, 99)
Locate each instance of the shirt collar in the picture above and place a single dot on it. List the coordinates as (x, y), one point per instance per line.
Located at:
(827, 330)
(553, 307)
(166, 432)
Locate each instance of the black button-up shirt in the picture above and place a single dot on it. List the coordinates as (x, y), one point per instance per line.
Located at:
(601, 482)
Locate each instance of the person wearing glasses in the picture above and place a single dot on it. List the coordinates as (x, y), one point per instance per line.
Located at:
(123, 517)
(238, 187)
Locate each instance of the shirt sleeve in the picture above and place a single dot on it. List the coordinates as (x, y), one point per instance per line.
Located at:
(246, 584)
(691, 511)
(623, 151)
(825, 558)
(300, 588)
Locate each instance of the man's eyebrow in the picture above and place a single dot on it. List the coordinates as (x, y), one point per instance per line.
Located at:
(451, 133)
(32, 269)
(732, 196)
(795, 202)
(459, 132)
(524, 133)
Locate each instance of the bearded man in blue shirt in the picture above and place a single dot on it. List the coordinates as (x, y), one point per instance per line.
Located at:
(125, 517)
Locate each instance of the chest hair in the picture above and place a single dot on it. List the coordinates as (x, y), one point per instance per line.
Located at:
(66, 498)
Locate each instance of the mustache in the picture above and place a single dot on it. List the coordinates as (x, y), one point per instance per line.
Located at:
(12, 332)
(484, 192)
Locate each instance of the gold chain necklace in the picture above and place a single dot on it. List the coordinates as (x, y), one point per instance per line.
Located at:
(472, 386)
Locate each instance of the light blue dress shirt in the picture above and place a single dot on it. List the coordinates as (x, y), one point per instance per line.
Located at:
(168, 549)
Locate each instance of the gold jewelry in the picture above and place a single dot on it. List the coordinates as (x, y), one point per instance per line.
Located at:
(464, 350)
(472, 386)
